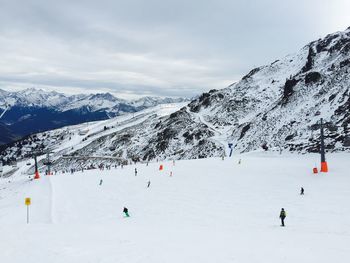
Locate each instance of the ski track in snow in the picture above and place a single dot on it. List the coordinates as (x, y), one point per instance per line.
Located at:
(209, 211)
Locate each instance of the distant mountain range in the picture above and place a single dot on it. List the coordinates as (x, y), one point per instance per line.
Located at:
(35, 110)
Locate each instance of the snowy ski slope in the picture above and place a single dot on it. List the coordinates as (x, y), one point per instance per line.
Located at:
(210, 210)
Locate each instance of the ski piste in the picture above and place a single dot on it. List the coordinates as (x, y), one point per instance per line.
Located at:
(220, 209)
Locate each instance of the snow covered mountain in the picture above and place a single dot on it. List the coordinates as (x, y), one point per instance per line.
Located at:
(34, 110)
(275, 107)
(147, 102)
(95, 102)
(279, 105)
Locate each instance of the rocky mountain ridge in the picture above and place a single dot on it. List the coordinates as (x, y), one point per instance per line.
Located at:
(274, 107)
(34, 110)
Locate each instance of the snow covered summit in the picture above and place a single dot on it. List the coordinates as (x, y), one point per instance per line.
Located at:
(276, 106)
(34, 110)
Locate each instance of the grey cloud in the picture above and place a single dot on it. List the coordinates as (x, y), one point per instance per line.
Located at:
(159, 47)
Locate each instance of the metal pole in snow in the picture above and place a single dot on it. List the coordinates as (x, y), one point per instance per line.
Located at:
(323, 155)
(36, 176)
(324, 165)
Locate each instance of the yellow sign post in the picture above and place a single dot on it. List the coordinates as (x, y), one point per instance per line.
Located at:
(28, 202)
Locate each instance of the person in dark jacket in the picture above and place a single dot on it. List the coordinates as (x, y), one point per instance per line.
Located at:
(301, 191)
(126, 212)
(135, 172)
(282, 216)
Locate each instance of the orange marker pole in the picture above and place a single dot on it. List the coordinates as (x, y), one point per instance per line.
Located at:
(37, 176)
(324, 166)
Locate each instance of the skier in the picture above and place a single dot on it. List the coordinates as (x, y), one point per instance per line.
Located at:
(135, 172)
(126, 212)
(301, 191)
(282, 216)
(239, 162)
(101, 181)
(148, 184)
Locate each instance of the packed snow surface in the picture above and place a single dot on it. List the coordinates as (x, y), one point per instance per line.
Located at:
(209, 210)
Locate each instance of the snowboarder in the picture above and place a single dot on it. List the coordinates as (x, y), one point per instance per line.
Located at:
(301, 191)
(148, 184)
(282, 216)
(126, 212)
(135, 172)
(101, 181)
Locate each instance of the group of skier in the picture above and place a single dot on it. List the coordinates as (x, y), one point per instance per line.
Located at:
(125, 209)
(282, 216)
(283, 213)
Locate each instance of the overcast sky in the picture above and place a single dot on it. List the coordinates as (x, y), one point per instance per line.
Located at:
(153, 47)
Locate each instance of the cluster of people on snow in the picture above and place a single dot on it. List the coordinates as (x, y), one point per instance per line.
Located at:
(283, 213)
